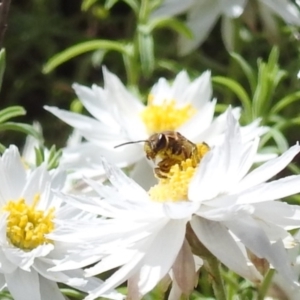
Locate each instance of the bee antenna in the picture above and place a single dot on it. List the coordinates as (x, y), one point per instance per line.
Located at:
(128, 143)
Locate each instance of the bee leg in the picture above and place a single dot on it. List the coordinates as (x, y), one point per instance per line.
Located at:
(159, 173)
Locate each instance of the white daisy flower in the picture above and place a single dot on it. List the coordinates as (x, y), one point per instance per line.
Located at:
(202, 16)
(119, 117)
(279, 289)
(229, 209)
(30, 211)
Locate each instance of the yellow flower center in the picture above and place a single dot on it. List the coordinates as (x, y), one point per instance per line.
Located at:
(174, 187)
(166, 116)
(27, 226)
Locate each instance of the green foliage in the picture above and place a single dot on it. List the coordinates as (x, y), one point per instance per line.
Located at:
(2, 65)
(51, 157)
(12, 112)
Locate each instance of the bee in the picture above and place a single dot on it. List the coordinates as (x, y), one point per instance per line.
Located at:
(170, 148)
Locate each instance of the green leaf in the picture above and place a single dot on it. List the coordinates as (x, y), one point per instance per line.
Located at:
(39, 155)
(260, 97)
(248, 71)
(11, 112)
(171, 23)
(86, 4)
(273, 58)
(25, 128)
(154, 4)
(237, 89)
(284, 102)
(82, 48)
(53, 162)
(2, 149)
(2, 65)
(134, 4)
(280, 139)
(146, 49)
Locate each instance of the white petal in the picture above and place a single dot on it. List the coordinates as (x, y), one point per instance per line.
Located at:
(125, 185)
(218, 240)
(118, 277)
(199, 91)
(180, 210)
(12, 175)
(143, 174)
(20, 281)
(228, 33)
(158, 261)
(184, 269)
(227, 212)
(201, 120)
(255, 239)
(224, 165)
(270, 191)
(42, 268)
(36, 183)
(88, 127)
(285, 9)
(49, 290)
(171, 8)
(127, 108)
(268, 169)
(6, 266)
(25, 260)
(96, 102)
(233, 8)
(201, 19)
(212, 169)
(279, 213)
(179, 86)
(2, 282)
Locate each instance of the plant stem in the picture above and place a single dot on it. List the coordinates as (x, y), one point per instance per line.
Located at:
(213, 266)
(265, 284)
(211, 263)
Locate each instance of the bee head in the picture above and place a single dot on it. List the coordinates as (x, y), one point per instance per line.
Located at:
(155, 143)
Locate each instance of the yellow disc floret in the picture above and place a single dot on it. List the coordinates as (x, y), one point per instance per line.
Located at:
(174, 187)
(165, 116)
(27, 226)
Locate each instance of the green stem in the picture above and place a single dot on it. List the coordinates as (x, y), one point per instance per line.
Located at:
(265, 284)
(211, 263)
(213, 266)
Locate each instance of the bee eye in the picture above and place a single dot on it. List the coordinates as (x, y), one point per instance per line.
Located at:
(161, 142)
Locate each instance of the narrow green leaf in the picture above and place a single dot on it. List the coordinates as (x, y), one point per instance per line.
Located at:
(248, 71)
(39, 155)
(279, 139)
(284, 102)
(260, 97)
(109, 3)
(273, 58)
(52, 152)
(11, 112)
(2, 148)
(2, 66)
(155, 4)
(54, 161)
(25, 128)
(82, 48)
(171, 23)
(146, 49)
(134, 4)
(236, 88)
(86, 4)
